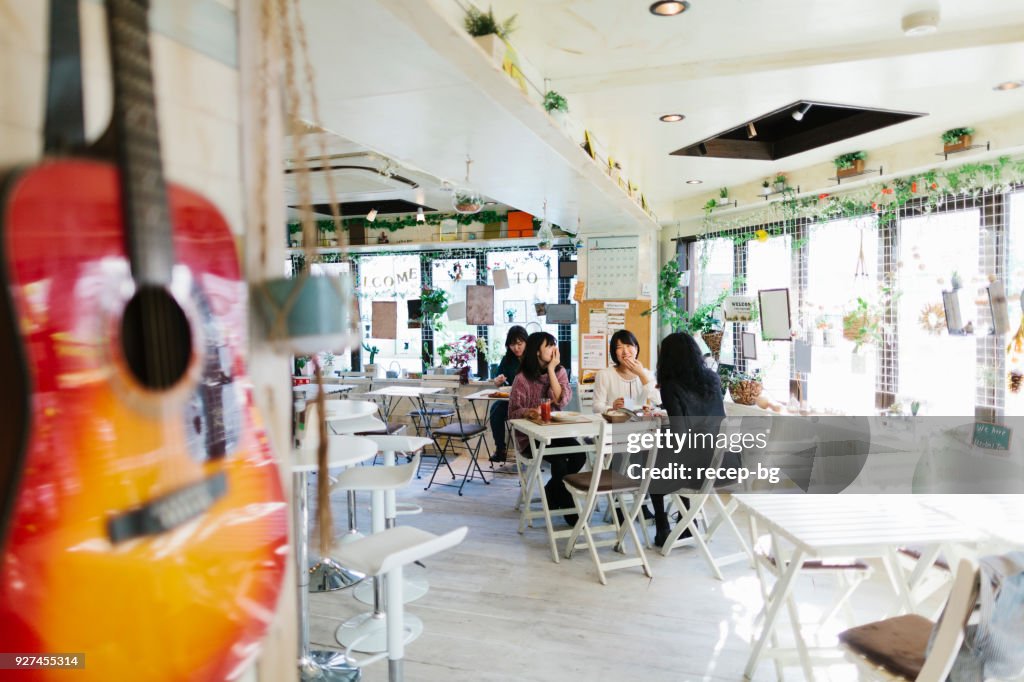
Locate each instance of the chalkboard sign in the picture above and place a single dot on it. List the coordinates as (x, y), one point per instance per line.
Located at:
(991, 436)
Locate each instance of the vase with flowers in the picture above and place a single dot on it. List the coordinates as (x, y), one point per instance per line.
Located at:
(460, 353)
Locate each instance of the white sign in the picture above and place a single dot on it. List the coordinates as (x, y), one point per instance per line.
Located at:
(594, 351)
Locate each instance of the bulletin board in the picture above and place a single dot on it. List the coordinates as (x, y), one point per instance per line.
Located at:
(635, 321)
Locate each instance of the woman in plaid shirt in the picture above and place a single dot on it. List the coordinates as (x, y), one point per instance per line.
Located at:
(542, 377)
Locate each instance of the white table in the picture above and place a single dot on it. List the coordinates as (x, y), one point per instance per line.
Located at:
(342, 451)
(486, 396)
(541, 437)
(829, 527)
(392, 395)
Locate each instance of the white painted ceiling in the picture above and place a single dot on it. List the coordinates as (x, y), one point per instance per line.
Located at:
(394, 75)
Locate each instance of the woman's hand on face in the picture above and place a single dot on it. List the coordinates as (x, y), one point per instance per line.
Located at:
(619, 403)
(556, 358)
(633, 366)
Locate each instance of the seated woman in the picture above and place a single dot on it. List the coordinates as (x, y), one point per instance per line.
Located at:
(541, 377)
(626, 380)
(692, 395)
(515, 344)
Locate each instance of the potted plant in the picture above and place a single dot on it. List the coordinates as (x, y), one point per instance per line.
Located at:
(744, 387)
(670, 290)
(489, 33)
(956, 139)
(862, 324)
(554, 102)
(460, 353)
(371, 366)
(850, 164)
(433, 305)
(703, 321)
(780, 183)
(709, 205)
(723, 196)
(766, 187)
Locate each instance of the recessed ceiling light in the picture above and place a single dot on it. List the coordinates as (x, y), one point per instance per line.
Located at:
(920, 23)
(671, 118)
(1009, 85)
(669, 8)
(694, 182)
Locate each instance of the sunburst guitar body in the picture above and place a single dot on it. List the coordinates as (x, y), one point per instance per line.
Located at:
(142, 522)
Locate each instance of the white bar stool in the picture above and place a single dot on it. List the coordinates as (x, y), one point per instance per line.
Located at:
(367, 631)
(415, 585)
(341, 451)
(385, 555)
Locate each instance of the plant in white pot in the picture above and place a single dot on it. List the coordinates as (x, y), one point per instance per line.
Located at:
(490, 34)
(766, 187)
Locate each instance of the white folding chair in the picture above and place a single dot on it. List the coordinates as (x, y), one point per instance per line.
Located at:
(897, 648)
(603, 480)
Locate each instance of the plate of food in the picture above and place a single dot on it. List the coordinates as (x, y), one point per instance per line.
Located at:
(499, 394)
(565, 416)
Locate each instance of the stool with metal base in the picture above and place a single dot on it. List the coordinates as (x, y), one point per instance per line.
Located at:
(369, 629)
(342, 451)
(384, 555)
(344, 417)
(415, 585)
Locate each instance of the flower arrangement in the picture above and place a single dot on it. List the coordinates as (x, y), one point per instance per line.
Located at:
(460, 352)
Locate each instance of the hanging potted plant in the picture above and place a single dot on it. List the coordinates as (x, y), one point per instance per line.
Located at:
(851, 164)
(766, 187)
(554, 102)
(956, 139)
(862, 324)
(433, 305)
(744, 387)
(703, 321)
(489, 33)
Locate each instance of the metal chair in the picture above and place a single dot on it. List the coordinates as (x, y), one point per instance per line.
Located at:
(471, 435)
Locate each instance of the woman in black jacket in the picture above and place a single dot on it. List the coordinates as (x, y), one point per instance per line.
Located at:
(515, 344)
(692, 395)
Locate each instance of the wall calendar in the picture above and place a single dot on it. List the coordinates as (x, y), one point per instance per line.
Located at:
(613, 268)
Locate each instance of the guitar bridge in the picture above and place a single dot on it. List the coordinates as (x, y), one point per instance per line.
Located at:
(167, 511)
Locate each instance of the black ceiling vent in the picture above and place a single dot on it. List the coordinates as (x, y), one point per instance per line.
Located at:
(359, 209)
(794, 128)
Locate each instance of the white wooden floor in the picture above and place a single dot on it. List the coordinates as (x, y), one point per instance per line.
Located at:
(499, 609)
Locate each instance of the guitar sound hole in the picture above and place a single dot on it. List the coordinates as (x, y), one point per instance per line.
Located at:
(156, 338)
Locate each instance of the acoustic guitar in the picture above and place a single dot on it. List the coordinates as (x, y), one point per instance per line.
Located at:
(142, 521)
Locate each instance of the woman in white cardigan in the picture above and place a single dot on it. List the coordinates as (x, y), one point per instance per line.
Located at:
(626, 383)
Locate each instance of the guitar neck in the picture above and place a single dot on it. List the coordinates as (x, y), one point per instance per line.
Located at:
(143, 189)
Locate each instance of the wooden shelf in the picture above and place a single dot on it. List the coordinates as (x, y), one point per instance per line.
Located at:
(987, 146)
(530, 242)
(866, 171)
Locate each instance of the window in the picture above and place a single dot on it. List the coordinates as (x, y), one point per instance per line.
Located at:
(842, 264)
(714, 267)
(1015, 296)
(769, 266)
(935, 368)
(391, 278)
(532, 279)
(453, 275)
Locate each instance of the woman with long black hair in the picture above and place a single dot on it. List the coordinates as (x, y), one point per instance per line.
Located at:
(691, 393)
(515, 345)
(542, 377)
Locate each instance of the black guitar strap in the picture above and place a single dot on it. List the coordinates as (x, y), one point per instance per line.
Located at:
(64, 130)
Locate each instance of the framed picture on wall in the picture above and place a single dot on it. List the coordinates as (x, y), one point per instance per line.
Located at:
(748, 343)
(775, 320)
(514, 312)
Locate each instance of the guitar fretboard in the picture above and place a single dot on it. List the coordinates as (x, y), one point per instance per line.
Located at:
(144, 193)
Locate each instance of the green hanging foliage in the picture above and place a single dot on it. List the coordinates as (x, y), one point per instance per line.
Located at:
(884, 200)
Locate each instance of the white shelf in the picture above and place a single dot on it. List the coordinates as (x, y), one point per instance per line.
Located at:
(526, 242)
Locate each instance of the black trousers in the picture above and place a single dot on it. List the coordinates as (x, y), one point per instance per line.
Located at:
(561, 466)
